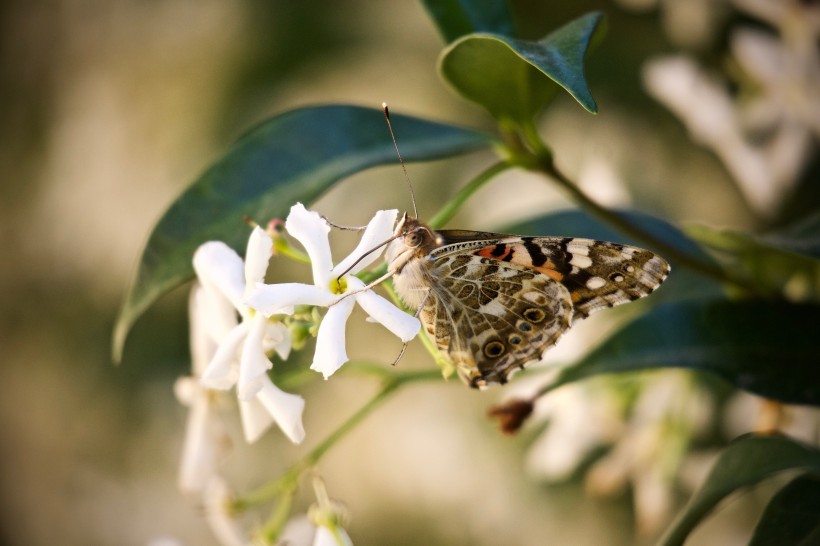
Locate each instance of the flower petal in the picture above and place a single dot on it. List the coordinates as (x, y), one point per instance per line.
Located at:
(257, 256)
(253, 363)
(378, 230)
(224, 525)
(331, 537)
(219, 267)
(277, 299)
(221, 372)
(285, 408)
(388, 315)
(310, 230)
(205, 327)
(198, 461)
(277, 338)
(330, 342)
(255, 419)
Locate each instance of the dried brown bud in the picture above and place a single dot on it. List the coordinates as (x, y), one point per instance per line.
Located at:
(512, 414)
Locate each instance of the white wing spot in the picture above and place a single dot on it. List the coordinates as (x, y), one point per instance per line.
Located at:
(582, 261)
(595, 283)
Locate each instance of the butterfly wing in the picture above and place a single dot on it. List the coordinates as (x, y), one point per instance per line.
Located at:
(485, 285)
(491, 317)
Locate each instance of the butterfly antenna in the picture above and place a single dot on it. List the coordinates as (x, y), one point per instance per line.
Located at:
(403, 167)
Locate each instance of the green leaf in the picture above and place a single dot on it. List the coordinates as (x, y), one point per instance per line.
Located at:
(764, 347)
(292, 157)
(746, 461)
(514, 79)
(792, 517)
(774, 269)
(455, 18)
(682, 281)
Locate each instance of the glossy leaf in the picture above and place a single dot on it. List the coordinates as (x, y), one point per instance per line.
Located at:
(792, 517)
(768, 348)
(455, 18)
(292, 157)
(769, 264)
(682, 282)
(514, 79)
(745, 462)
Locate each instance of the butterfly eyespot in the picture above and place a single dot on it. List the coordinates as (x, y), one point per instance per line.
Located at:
(534, 315)
(493, 348)
(514, 339)
(524, 326)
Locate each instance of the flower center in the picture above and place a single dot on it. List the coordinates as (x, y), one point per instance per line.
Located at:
(338, 286)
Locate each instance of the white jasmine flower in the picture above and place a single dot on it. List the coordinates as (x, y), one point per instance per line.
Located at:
(647, 440)
(300, 531)
(225, 526)
(331, 536)
(332, 284)
(241, 357)
(203, 436)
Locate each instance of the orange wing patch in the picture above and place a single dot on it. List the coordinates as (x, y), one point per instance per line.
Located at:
(519, 254)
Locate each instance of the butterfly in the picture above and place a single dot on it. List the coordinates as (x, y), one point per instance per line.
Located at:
(494, 302)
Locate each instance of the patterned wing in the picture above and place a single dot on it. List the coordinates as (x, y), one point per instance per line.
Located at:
(492, 317)
(597, 274)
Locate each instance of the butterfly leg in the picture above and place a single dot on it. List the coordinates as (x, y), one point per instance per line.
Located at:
(416, 314)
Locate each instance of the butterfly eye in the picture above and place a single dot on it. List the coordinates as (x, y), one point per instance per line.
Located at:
(412, 239)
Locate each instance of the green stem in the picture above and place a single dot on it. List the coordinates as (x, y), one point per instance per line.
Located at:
(449, 210)
(286, 483)
(547, 166)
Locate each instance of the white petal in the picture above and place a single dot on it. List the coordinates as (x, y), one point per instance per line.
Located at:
(379, 230)
(198, 461)
(254, 363)
(216, 314)
(203, 344)
(224, 525)
(285, 408)
(218, 266)
(335, 537)
(388, 315)
(330, 342)
(277, 299)
(255, 419)
(277, 338)
(298, 531)
(221, 372)
(257, 256)
(310, 230)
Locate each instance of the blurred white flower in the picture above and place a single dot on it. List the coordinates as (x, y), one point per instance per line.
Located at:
(766, 132)
(241, 357)
(300, 531)
(225, 526)
(647, 438)
(203, 435)
(331, 284)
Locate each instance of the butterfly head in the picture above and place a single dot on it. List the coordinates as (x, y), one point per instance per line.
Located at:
(412, 240)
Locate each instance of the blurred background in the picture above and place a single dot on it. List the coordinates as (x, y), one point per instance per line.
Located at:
(110, 109)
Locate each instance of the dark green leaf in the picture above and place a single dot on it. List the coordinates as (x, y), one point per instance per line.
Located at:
(792, 517)
(514, 79)
(292, 157)
(765, 264)
(746, 461)
(455, 18)
(682, 282)
(768, 348)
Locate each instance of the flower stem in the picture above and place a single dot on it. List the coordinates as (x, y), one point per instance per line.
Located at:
(286, 484)
(449, 210)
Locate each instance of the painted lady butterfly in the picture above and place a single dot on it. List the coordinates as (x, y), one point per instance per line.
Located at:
(494, 302)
